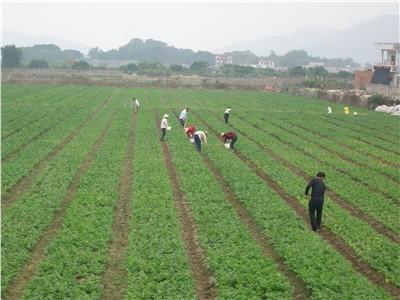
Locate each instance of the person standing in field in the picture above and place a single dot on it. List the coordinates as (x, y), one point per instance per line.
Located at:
(226, 114)
(230, 137)
(199, 137)
(137, 104)
(164, 126)
(183, 116)
(190, 130)
(316, 202)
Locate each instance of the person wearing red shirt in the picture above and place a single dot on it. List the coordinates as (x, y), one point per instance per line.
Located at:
(230, 137)
(190, 130)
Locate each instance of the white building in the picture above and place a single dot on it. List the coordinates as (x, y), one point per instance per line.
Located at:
(222, 59)
(390, 60)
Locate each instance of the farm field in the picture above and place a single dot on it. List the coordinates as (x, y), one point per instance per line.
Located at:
(94, 206)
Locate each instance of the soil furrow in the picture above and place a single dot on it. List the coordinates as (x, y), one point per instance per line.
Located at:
(300, 289)
(24, 183)
(366, 185)
(18, 285)
(205, 288)
(114, 278)
(335, 241)
(386, 162)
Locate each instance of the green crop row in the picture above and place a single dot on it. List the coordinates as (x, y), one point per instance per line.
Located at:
(236, 261)
(326, 272)
(19, 113)
(24, 220)
(18, 167)
(79, 250)
(349, 170)
(156, 263)
(359, 235)
(49, 122)
(352, 192)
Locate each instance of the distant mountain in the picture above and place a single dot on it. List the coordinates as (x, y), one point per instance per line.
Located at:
(355, 42)
(26, 40)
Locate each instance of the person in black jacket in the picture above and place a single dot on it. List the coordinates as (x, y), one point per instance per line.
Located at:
(316, 202)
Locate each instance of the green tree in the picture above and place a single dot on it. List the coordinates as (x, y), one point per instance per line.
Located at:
(297, 71)
(199, 66)
(38, 64)
(81, 65)
(11, 56)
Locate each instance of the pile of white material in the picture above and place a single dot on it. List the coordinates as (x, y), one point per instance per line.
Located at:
(393, 110)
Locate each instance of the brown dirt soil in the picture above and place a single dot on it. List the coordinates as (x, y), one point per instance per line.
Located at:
(205, 287)
(25, 182)
(335, 241)
(114, 278)
(17, 286)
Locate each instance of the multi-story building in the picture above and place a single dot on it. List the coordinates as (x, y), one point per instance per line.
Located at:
(222, 59)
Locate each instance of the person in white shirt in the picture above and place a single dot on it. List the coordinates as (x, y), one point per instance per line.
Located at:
(199, 137)
(329, 110)
(183, 116)
(226, 114)
(164, 126)
(137, 104)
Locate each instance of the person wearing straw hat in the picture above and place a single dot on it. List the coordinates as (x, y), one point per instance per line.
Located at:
(316, 202)
(229, 137)
(164, 126)
(199, 137)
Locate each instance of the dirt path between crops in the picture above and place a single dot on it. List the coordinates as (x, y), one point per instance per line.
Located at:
(300, 289)
(25, 182)
(205, 288)
(115, 277)
(386, 162)
(340, 124)
(361, 182)
(363, 141)
(334, 240)
(17, 286)
(354, 211)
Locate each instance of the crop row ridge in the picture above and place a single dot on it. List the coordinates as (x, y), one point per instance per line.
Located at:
(25, 182)
(16, 288)
(335, 241)
(205, 288)
(114, 277)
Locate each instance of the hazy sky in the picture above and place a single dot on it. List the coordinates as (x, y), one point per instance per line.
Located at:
(199, 26)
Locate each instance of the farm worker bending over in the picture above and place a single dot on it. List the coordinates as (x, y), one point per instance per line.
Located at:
(316, 202)
(229, 137)
(164, 126)
(346, 110)
(190, 130)
(199, 137)
(183, 116)
(226, 114)
(137, 104)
